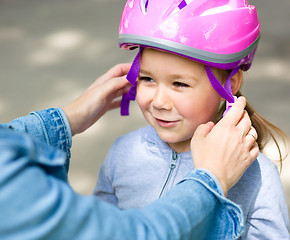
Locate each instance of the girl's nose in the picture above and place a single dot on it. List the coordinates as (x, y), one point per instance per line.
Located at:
(161, 100)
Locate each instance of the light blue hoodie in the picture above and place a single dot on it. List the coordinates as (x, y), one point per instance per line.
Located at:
(140, 168)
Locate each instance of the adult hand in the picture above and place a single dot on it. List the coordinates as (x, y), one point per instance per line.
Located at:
(228, 148)
(98, 99)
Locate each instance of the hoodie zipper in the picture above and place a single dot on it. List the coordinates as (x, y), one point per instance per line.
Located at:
(172, 166)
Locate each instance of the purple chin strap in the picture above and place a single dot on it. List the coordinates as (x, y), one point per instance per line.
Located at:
(224, 92)
(132, 78)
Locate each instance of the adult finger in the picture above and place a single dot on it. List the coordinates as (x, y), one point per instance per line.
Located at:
(113, 105)
(116, 87)
(204, 129)
(117, 71)
(236, 112)
(253, 133)
(244, 125)
(120, 69)
(254, 152)
(197, 143)
(251, 137)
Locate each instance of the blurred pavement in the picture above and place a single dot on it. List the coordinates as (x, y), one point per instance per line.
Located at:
(50, 51)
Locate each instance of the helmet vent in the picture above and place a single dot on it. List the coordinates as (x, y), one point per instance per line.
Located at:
(180, 6)
(184, 3)
(144, 5)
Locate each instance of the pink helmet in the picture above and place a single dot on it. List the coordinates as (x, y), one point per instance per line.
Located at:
(222, 34)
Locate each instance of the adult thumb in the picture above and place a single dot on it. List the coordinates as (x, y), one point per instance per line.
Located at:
(204, 129)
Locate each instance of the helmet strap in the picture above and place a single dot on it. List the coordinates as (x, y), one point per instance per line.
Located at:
(132, 78)
(226, 91)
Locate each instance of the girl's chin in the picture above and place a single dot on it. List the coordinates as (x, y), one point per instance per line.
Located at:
(169, 140)
(179, 145)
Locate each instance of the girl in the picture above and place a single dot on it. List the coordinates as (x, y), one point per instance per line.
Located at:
(191, 57)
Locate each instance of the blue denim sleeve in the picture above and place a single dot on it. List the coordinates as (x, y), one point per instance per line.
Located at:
(35, 192)
(50, 126)
(229, 222)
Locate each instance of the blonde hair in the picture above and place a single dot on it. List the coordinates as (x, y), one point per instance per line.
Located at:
(265, 129)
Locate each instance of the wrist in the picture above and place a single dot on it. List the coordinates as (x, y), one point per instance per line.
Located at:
(224, 186)
(69, 112)
(222, 182)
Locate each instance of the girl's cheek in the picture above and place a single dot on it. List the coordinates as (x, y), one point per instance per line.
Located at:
(141, 99)
(144, 94)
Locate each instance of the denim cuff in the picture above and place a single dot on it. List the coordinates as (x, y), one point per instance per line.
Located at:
(210, 179)
(56, 128)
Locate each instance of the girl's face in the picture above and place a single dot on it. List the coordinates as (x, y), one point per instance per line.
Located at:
(175, 96)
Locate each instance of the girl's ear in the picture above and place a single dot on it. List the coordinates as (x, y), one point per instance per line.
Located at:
(236, 81)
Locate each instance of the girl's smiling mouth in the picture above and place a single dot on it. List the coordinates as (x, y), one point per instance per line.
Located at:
(165, 123)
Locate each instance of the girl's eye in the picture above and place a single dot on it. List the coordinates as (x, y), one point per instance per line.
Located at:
(145, 79)
(180, 84)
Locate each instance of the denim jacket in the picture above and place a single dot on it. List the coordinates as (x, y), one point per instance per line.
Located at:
(36, 202)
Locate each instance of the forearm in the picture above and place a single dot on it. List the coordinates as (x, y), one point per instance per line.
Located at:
(33, 183)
